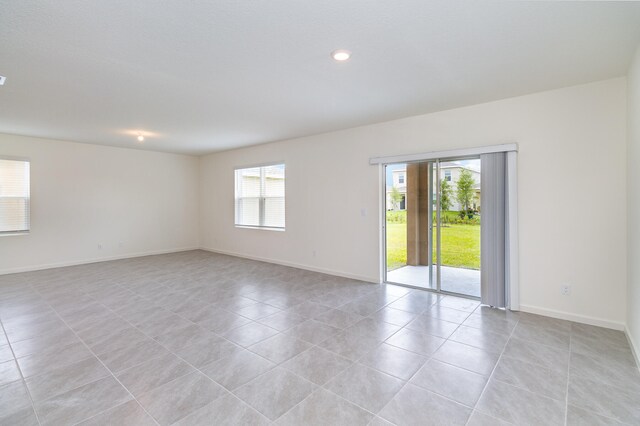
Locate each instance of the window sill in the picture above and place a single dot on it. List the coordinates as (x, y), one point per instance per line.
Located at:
(261, 228)
(14, 234)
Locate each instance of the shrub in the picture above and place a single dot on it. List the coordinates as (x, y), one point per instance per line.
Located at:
(397, 216)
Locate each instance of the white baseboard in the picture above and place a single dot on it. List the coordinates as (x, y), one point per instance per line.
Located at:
(295, 265)
(632, 344)
(584, 319)
(525, 308)
(94, 260)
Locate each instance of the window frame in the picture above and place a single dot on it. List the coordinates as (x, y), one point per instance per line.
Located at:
(448, 177)
(26, 231)
(262, 198)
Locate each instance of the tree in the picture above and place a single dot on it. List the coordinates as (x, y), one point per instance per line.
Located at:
(445, 195)
(396, 198)
(465, 191)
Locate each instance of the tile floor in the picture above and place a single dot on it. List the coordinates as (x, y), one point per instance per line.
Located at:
(197, 338)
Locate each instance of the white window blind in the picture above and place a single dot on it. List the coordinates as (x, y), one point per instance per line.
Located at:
(14, 196)
(260, 198)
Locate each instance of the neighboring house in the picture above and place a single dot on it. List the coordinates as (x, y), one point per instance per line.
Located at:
(450, 173)
(400, 183)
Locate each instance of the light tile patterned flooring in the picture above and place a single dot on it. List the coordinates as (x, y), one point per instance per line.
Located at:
(197, 338)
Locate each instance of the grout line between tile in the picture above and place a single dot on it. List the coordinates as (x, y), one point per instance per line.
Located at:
(99, 360)
(24, 382)
(251, 295)
(492, 373)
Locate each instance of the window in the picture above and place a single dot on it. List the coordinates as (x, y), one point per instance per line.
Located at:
(400, 178)
(447, 175)
(260, 197)
(14, 196)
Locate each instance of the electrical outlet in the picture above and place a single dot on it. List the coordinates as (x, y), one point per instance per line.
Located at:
(99, 246)
(313, 253)
(565, 290)
(120, 244)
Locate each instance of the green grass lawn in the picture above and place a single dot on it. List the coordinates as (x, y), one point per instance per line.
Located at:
(460, 246)
(396, 245)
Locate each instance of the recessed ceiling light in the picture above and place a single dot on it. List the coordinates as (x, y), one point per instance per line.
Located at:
(140, 137)
(2, 80)
(341, 55)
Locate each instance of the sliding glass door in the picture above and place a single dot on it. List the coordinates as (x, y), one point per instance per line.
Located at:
(460, 226)
(409, 230)
(432, 225)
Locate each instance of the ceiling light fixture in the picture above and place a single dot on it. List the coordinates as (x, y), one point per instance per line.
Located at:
(341, 55)
(140, 137)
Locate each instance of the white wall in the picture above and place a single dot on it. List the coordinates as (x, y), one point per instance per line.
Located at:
(572, 186)
(633, 181)
(84, 195)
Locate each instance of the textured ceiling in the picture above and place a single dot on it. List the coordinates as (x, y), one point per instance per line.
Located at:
(200, 76)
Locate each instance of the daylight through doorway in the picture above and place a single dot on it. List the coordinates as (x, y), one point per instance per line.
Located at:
(432, 225)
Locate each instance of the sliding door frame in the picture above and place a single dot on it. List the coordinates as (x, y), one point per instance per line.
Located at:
(430, 231)
(433, 161)
(436, 182)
